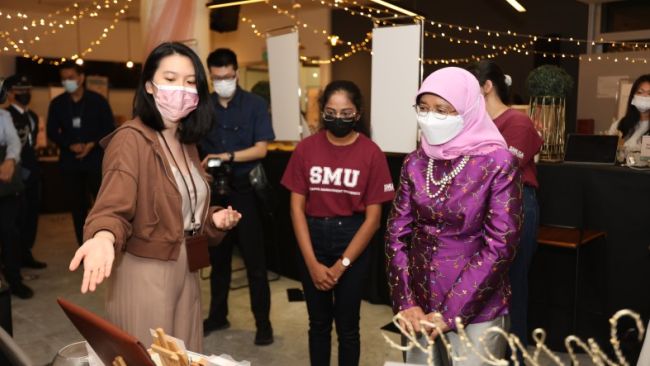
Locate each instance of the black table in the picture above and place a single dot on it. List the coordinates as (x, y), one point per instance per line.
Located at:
(615, 200)
(615, 271)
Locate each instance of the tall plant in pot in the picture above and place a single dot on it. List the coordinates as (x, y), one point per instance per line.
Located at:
(548, 86)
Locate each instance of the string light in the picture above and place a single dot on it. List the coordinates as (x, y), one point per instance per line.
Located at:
(78, 58)
(52, 24)
(332, 39)
(367, 12)
(353, 47)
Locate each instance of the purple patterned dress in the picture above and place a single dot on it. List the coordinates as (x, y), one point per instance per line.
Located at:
(451, 254)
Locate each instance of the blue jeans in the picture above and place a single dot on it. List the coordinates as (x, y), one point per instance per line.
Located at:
(521, 264)
(330, 237)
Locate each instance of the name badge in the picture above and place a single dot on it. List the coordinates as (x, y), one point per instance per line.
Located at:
(76, 122)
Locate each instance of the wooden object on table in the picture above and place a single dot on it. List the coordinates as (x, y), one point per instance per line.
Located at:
(119, 361)
(169, 352)
(167, 357)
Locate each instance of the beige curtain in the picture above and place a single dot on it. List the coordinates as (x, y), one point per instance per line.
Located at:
(166, 20)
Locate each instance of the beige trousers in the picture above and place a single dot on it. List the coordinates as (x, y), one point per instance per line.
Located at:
(148, 293)
(495, 343)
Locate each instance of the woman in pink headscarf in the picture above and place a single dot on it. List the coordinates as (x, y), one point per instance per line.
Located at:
(456, 218)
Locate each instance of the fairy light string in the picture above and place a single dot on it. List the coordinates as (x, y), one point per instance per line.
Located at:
(98, 41)
(352, 48)
(51, 22)
(385, 17)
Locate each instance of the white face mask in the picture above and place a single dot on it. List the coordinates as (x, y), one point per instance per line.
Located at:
(437, 130)
(70, 85)
(225, 88)
(641, 103)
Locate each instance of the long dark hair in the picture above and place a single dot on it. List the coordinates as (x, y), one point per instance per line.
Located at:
(627, 124)
(195, 125)
(354, 94)
(485, 70)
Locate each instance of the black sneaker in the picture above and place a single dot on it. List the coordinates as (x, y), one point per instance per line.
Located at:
(264, 336)
(21, 290)
(210, 326)
(33, 263)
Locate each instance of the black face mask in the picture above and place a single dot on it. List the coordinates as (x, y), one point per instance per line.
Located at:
(23, 98)
(339, 128)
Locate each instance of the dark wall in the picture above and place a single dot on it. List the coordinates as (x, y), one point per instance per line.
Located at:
(567, 18)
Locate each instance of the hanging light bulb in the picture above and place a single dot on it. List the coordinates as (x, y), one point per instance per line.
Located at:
(79, 61)
(129, 63)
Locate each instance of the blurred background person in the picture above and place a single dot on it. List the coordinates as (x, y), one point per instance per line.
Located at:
(524, 142)
(19, 91)
(10, 188)
(76, 121)
(239, 136)
(636, 121)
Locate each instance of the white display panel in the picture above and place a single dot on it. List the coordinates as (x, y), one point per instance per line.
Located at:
(395, 81)
(284, 71)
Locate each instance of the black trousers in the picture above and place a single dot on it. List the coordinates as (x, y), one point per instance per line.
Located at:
(342, 304)
(81, 190)
(249, 237)
(9, 238)
(30, 204)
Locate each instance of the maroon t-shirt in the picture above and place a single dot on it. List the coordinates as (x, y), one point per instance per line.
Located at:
(338, 180)
(523, 141)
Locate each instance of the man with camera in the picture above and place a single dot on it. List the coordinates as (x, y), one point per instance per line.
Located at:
(234, 149)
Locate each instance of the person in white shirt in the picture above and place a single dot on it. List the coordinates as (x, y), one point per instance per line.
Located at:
(19, 95)
(10, 148)
(635, 123)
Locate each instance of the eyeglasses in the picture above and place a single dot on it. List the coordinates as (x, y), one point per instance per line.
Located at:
(438, 112)
(345, 116)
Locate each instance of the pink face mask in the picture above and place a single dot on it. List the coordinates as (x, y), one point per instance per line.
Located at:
(175, 102)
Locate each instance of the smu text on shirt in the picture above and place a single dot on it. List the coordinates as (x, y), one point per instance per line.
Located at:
(341, 178)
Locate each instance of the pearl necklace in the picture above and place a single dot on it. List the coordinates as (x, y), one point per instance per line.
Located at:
(446, 179)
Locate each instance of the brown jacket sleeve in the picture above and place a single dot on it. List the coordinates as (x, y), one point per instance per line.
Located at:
(116, 202)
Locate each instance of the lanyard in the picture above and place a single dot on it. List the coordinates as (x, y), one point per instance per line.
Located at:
(187, 187)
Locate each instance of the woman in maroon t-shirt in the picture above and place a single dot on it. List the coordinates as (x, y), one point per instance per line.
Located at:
(524, 142)
(338, 180)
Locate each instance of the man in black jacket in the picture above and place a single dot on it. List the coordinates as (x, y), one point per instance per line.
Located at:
(19, 90)
(76, 121)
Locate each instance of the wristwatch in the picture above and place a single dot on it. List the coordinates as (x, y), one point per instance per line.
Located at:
(231, 156)
(345, 261)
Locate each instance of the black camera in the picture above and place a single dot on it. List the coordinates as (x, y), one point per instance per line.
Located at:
(221, 172)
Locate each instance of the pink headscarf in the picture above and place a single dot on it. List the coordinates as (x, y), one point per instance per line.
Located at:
(479, 134)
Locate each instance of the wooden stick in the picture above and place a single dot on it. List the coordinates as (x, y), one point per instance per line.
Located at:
(119, 361)
(156, 340)
(161, 338)
(173, 346)
(168, 357)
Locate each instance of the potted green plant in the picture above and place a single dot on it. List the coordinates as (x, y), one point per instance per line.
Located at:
(548, 86)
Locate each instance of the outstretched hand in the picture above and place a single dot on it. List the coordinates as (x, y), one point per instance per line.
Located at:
(97, 255)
